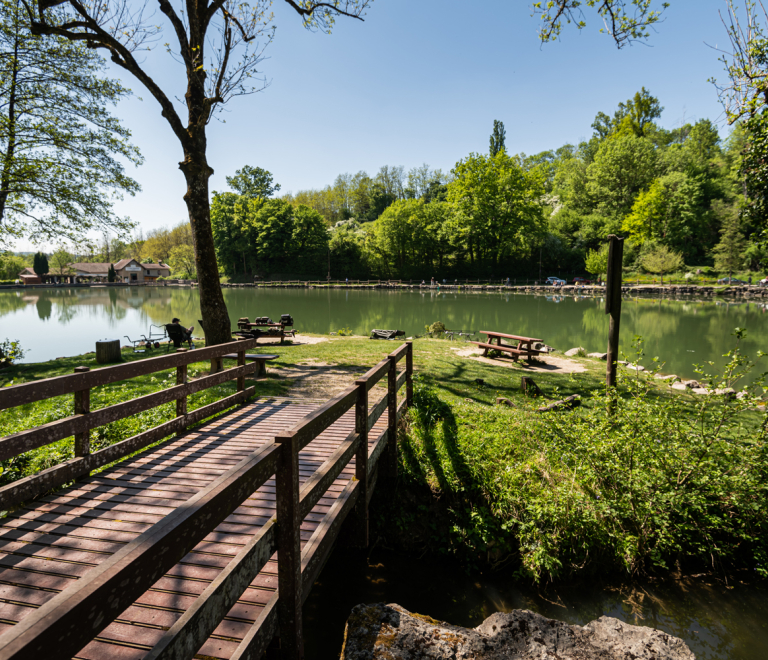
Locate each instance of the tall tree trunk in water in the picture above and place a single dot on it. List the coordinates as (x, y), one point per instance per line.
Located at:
(218, 329)
(10, 149)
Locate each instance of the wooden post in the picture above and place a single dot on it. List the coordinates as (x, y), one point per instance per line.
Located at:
(409, 375)
(389, 464)
(82, 407)
(289, 550)
(613, 303)
(181, 379)
(357, 536)
(241, 363)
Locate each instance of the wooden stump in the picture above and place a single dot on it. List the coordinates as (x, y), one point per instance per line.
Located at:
(108, 350)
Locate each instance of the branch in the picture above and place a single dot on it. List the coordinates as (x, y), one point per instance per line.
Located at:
(310, 10)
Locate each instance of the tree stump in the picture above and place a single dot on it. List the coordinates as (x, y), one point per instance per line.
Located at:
(108, 350)
(529, 387)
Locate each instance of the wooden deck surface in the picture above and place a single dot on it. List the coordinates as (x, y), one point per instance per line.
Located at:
(52, 541)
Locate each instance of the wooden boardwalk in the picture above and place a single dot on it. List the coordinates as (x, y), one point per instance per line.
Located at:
(57, 542)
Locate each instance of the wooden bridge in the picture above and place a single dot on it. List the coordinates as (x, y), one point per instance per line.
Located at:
(205, 545)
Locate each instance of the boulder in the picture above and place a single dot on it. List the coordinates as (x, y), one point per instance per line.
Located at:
(635, 367)
(574, 352)
(598, 356)
(680, 386)
(666, 377)
(376, 632)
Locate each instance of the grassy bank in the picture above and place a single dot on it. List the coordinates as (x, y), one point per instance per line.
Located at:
(668, 479)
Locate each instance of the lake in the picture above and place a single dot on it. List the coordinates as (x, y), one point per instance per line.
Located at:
(68, 321)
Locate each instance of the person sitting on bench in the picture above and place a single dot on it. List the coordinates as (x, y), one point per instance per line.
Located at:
(175, 328)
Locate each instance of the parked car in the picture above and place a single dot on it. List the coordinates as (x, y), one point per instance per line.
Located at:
(730, 280)
(555, 281)
(581, 280)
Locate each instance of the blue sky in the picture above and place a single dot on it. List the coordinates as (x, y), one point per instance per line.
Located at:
(421, 81)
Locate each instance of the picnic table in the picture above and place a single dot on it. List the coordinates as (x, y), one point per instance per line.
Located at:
(524, 344)
(246, 329)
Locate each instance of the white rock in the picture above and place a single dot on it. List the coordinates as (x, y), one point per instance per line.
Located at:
(680, 386)
(635, 367)
(598, 356)
(666, 377)
(574, 352)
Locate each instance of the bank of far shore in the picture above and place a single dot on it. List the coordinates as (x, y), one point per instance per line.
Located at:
(668, 480)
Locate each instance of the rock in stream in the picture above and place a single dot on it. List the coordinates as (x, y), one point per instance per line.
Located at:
(390, 632)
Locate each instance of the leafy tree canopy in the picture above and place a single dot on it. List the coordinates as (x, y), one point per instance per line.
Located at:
(253, 182)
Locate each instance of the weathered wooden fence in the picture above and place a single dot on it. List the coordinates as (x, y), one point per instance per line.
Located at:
(79, 425)
(75, 616)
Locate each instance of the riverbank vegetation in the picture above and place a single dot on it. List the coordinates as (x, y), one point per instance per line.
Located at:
(668, 480)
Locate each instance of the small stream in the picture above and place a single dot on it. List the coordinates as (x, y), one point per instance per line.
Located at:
(718, 621)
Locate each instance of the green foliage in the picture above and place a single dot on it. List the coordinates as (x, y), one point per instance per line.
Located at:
(498, 138)
(10, 266)
(62, 151)
(253, 182)
(40, 263)
(660, 259)
(10, 350)
(182, 262)
(665, 480)
(730, 252)
(111, 274)
(597, 261)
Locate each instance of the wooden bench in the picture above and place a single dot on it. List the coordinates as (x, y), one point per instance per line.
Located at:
(514, 352)
(524, 345)
(251, 357)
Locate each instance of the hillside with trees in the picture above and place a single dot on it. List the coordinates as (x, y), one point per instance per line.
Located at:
(675, 193)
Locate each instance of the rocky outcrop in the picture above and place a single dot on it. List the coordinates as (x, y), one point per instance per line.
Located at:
(390, 632)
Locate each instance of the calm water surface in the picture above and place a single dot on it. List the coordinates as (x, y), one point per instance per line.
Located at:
(718, 621)
(62, 322)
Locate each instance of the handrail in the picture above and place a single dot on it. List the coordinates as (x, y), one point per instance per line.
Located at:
(75, 616)
(84, 420)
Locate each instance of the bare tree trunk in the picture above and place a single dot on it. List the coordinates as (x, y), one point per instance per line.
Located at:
(217, 328)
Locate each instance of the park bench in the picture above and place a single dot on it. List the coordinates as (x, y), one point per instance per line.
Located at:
(524, 345)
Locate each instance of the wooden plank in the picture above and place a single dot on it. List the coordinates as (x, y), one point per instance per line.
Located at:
(506, 336)
(18, 443)
(400, 353)
(189, 633)
(400, 380)
(376, 411)
(319, 420)
(66, 623)
(375, 452)
(254, 644)
(326, 474)
(42, 482)
(18, 395)
(373, 376)
(317, 548)
(200, 414)
(250, 356)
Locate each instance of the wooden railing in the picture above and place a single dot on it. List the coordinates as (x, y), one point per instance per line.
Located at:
(72, 618)
(79, 425)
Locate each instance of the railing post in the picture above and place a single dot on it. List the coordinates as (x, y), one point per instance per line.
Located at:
(181, 379)
(390, 455)
(289, 550)
(82, 407)
(241, 363)
(409, 375)
(357, 535)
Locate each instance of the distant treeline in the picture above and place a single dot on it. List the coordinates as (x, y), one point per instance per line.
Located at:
(499, 215)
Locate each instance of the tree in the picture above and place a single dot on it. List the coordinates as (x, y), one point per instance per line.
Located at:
(498, 207)
(182, 262)
(730, 252)
(660, 260)
(10, 266)
(111, 274)
(253, 182)
(596, 261)
(60, 149)
(40, 264)
(498, 137)
(61, 260)
(214, 41)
